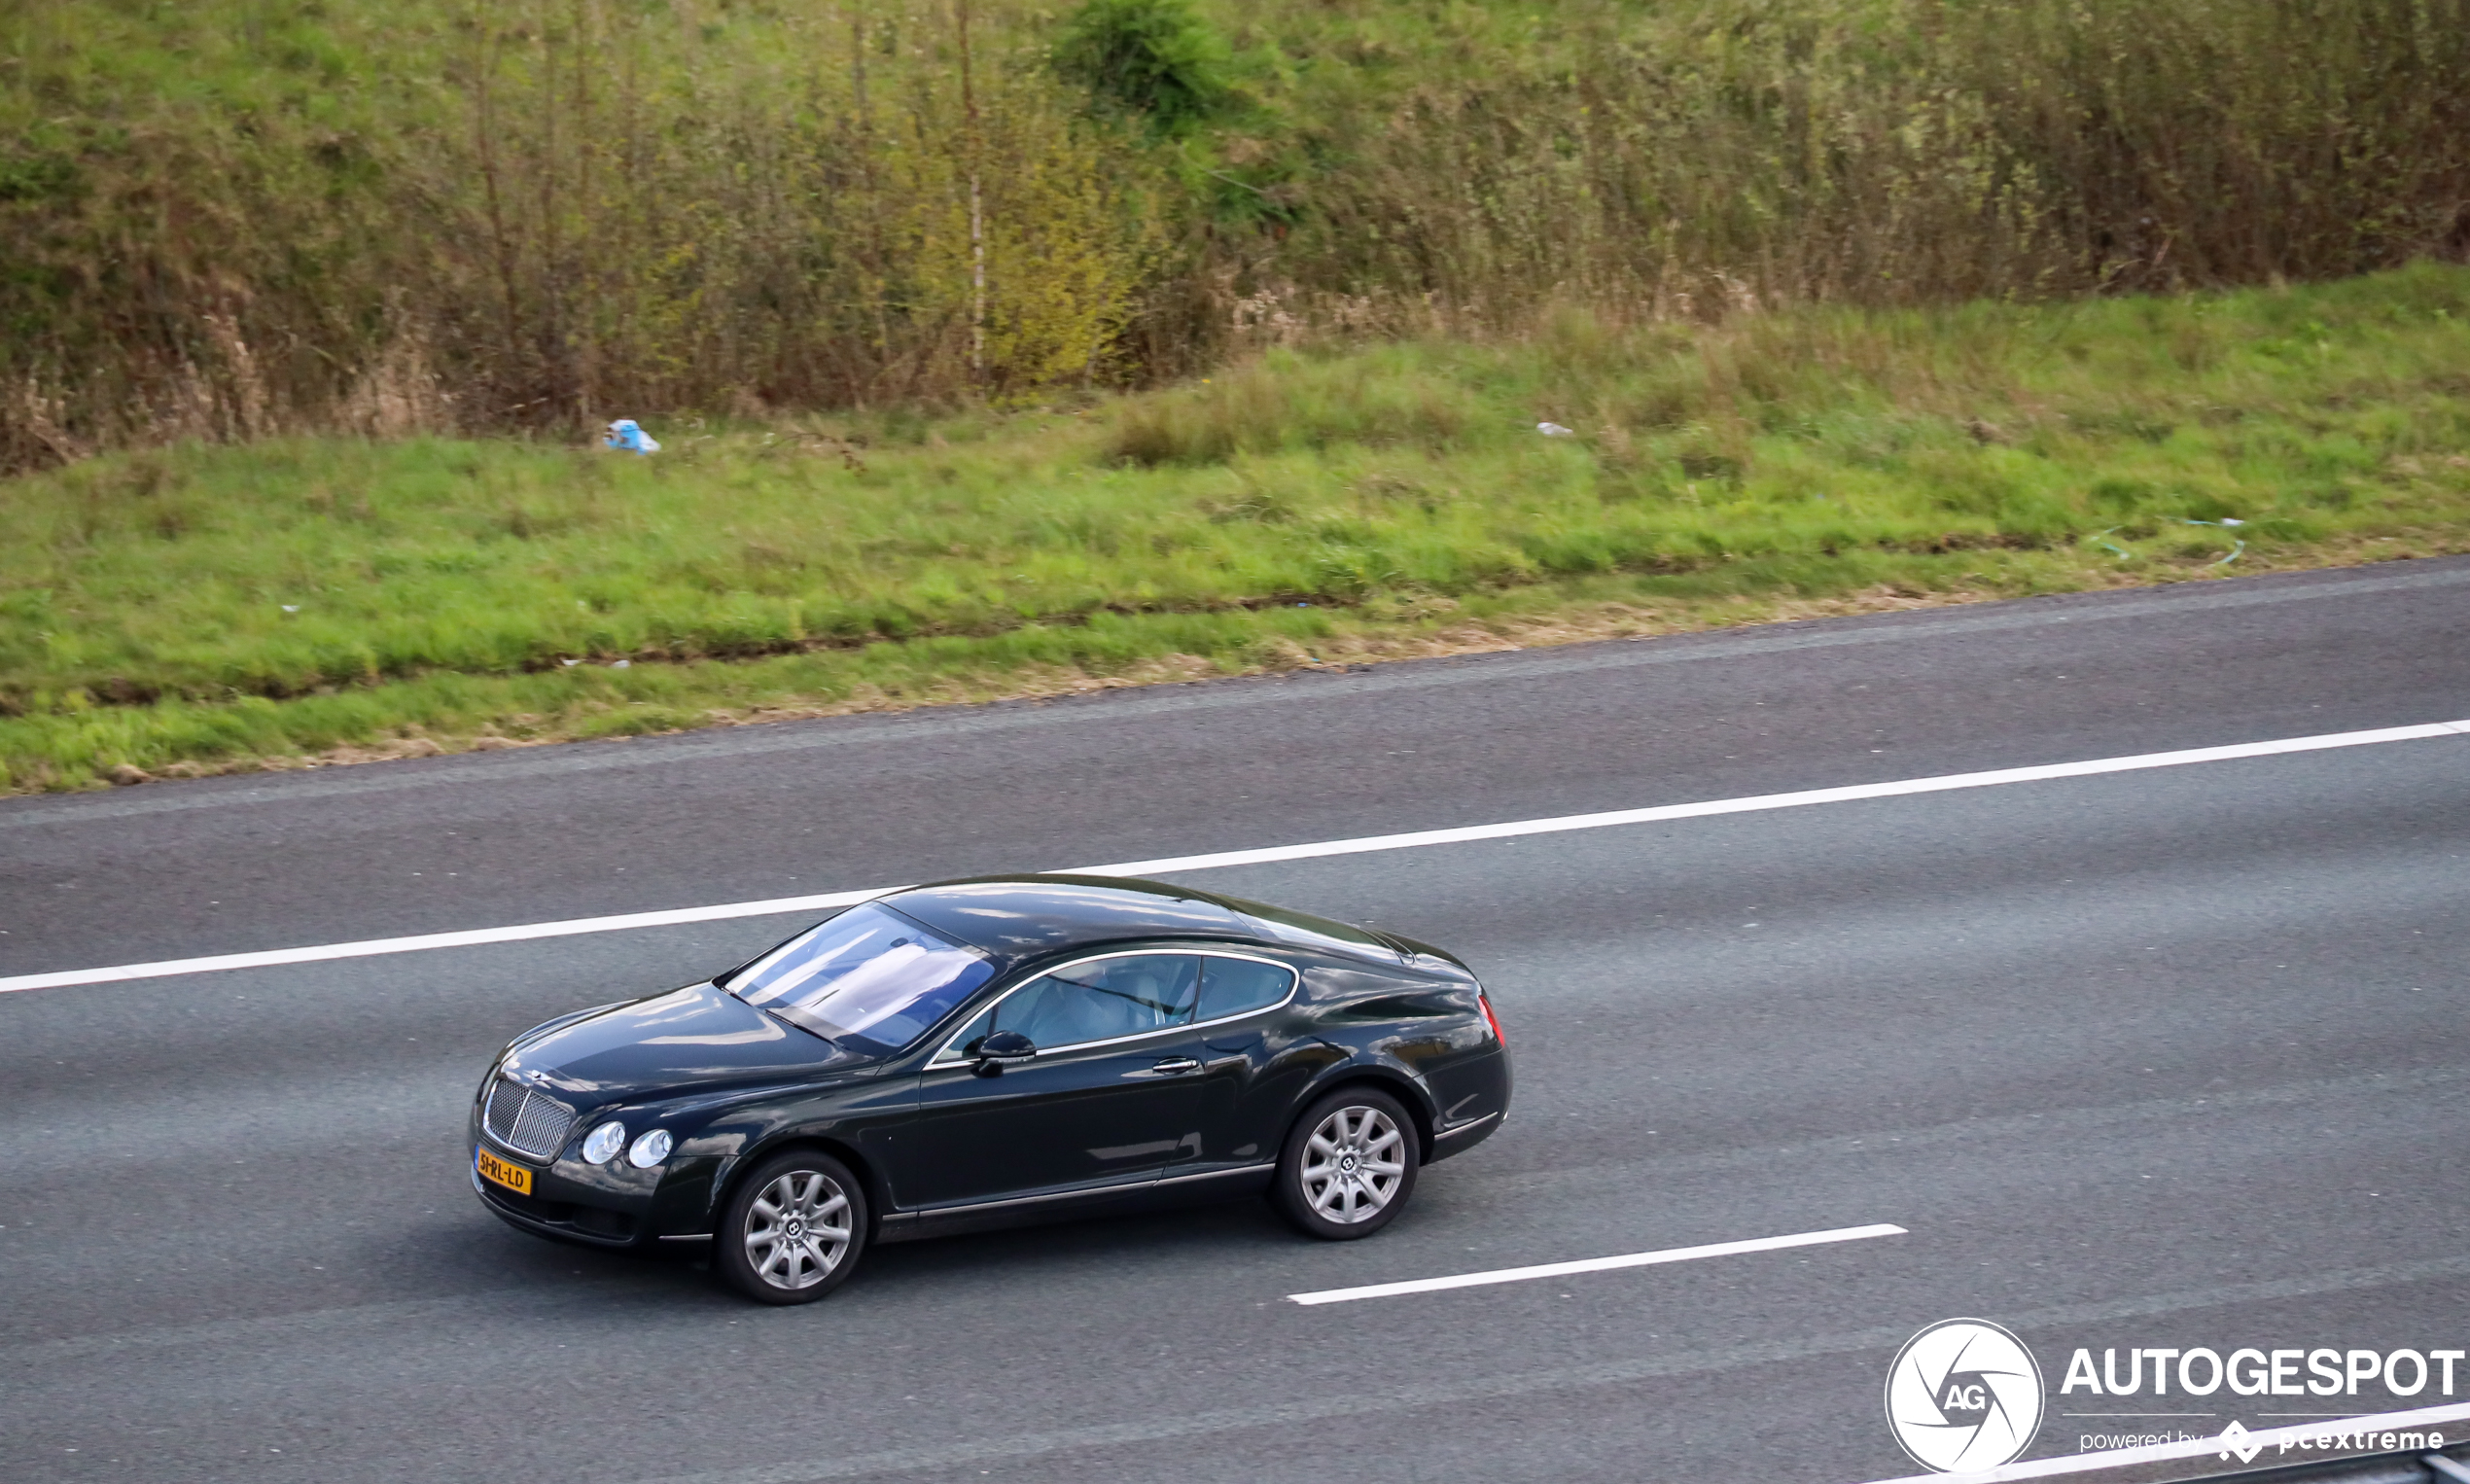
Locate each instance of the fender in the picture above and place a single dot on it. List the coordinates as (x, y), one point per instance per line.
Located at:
(725, 1174)
(1392, 1078)
(737, 1138)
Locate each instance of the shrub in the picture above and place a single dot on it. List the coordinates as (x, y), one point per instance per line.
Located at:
(1154, 59)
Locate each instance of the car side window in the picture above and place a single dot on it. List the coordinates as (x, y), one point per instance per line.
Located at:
(1097, 1000)
(963, 1046)
(1235, 986)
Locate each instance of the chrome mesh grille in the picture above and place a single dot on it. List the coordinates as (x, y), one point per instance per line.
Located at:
(527, 1121)
(505, 1101)
(540, 1128)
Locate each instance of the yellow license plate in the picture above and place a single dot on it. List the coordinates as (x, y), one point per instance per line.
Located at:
(514, 1176)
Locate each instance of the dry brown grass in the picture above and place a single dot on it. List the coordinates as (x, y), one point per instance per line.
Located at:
(222, 221)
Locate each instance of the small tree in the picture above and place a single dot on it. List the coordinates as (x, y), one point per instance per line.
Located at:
(1152, 60)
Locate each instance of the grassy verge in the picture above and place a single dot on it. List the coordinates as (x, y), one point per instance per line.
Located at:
(208, 608)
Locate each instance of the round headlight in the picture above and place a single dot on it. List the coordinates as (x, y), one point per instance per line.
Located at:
(602, 1145)
(650, 1149)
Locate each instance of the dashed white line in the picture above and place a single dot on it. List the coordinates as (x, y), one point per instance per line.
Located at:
(1596, 1265)
(623, 922)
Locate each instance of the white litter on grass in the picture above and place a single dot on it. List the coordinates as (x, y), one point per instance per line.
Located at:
(291, 608)
(622, 664)
(628, 434)
(1554, 430)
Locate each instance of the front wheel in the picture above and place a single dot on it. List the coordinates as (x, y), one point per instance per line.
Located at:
(1349, 1165)
(793, 1230)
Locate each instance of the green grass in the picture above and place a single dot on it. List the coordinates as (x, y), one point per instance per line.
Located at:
(205, 607)
(221, 219)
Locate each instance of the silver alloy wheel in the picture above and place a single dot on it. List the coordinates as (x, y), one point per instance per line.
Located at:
(1353, 1165)
(798, 1230)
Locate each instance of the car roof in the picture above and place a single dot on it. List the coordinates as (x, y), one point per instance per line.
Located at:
(1017, 917)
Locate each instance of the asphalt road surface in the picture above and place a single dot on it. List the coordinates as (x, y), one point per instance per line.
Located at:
(2169, 1058)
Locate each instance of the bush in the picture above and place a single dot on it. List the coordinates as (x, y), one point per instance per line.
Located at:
(226, 219)
(1152, 58)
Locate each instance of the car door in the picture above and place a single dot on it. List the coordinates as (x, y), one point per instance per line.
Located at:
(1109, 1098)
(1248, 1080)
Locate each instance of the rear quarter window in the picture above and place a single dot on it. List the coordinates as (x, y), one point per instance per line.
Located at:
(1238, 986)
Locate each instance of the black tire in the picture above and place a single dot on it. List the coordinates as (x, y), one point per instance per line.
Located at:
(793, 1230)
(1350, 1150)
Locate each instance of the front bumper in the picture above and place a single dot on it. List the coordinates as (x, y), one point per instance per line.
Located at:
(570, 1201)
(567, 1221)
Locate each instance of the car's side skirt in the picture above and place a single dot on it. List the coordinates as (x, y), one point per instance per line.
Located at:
(1200, 1180)
(1059, 1205)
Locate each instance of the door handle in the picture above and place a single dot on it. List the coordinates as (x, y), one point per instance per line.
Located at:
(1175, 1065)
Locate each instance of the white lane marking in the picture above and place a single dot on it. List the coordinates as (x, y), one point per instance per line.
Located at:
(476, 936)
(2270, 1437)
(467, 938)
(1760, 801)
(1595, 1264)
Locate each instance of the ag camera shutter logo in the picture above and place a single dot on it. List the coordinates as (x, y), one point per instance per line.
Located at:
(1964, 1394)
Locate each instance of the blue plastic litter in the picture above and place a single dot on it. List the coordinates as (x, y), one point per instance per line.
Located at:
(2238, 544)
(627, 435)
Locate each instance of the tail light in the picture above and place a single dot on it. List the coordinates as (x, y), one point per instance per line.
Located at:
(1490, 1018)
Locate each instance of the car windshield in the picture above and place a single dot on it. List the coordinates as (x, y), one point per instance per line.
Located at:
(869, 979)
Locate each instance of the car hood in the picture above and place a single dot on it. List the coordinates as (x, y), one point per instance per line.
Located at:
(690, 1040)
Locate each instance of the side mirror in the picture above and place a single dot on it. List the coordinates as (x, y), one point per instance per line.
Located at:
(1002, 1050)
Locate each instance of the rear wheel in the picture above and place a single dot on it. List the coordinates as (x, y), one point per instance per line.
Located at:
(1349, 1165)
(793, 1230)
